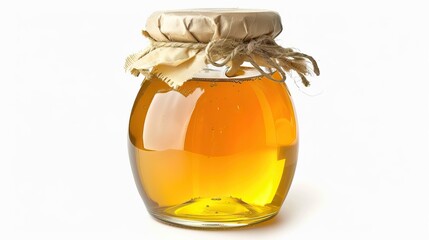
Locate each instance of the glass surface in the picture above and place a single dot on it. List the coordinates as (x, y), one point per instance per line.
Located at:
(213, 153)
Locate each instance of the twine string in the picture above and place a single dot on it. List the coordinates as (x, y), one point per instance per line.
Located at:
(261, 51)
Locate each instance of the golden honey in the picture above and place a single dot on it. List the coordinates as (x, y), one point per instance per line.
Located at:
(213, 152)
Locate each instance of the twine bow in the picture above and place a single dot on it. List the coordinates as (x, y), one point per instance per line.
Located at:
(261, 51)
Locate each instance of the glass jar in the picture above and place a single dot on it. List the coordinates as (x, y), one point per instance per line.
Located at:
(214, 152)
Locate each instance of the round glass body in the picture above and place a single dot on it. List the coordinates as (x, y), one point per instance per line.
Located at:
(213, 153)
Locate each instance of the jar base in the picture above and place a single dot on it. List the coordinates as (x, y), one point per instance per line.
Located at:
(225, 212)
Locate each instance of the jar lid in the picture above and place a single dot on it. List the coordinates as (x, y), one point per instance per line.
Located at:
(205, 25)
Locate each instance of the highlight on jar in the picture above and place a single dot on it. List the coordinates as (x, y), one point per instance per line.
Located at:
(213, 138)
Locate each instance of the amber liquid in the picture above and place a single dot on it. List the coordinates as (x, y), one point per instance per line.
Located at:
(213, 153)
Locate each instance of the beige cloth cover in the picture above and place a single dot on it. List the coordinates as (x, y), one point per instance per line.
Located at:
(179, 40)
(205, 25)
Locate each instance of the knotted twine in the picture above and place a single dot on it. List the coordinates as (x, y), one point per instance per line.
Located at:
(261, 51)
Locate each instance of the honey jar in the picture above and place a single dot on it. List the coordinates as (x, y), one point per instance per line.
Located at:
(213, 143)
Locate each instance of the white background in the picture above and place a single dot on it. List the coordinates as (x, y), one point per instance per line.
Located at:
(65, 102)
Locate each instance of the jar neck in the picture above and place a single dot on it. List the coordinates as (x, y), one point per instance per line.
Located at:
(218, 73)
